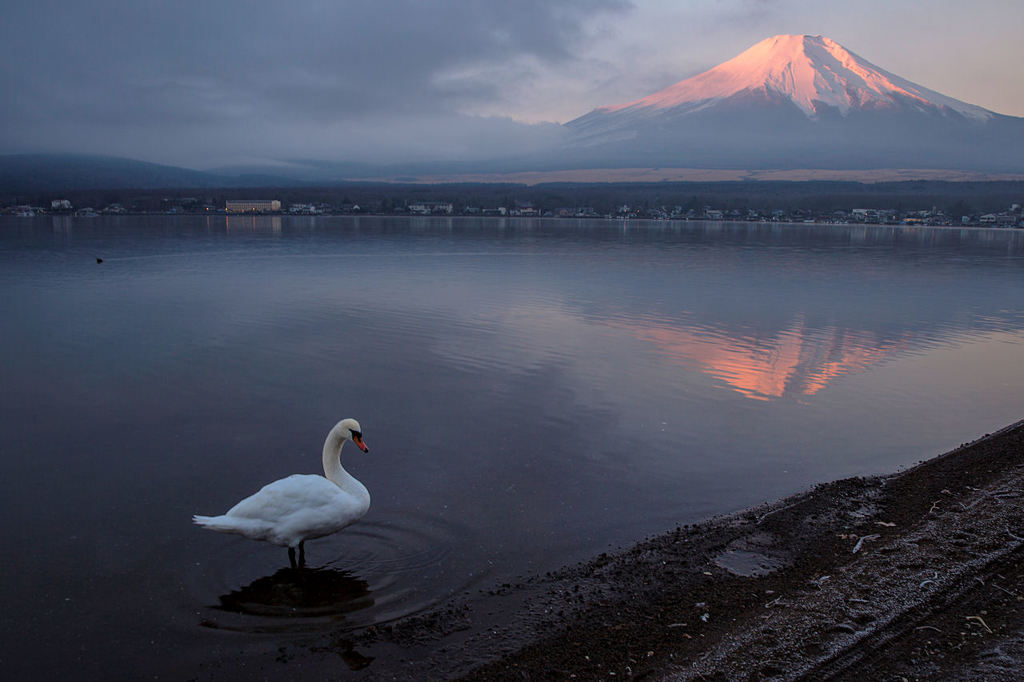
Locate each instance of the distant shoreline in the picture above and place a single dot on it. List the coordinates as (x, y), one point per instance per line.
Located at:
(748, 196)
(608, 218)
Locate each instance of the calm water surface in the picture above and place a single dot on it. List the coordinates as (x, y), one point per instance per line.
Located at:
(532, 392)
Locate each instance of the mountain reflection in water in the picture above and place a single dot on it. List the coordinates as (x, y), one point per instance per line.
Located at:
(798, 360)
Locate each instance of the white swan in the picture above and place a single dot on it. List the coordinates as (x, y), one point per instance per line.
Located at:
(292, 510)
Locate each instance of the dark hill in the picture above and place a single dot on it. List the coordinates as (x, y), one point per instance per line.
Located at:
(20, 173)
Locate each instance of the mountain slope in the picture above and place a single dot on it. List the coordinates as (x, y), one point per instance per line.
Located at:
(812, 71)
(798, 101)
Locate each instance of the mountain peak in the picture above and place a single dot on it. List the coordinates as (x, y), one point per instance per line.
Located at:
(796, 101)
(811, 71)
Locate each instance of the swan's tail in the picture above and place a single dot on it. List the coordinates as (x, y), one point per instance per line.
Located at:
(226, 523)
(221, 524)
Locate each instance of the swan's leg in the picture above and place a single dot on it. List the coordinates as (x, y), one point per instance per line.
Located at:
(302, 553)
(291, 556)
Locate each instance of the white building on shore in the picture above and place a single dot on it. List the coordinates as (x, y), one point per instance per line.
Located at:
(253, 206)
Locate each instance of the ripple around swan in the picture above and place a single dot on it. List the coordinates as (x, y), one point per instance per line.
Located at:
(396, 565)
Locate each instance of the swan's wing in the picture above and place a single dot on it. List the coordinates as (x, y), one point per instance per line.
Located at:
(299, 493)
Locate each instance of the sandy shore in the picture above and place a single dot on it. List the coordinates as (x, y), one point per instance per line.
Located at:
(918, 575)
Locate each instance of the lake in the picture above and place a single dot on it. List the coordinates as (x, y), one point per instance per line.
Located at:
(533, 392)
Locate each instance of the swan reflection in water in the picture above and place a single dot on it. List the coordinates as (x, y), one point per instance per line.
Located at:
(297, 593)
(300, 593)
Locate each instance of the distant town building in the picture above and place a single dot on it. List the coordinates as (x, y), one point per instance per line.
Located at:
(428, 207)
(524, 208)
(253, 206)
(60, 205)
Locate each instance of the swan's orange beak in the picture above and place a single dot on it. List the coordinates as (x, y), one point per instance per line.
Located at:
(358, 440)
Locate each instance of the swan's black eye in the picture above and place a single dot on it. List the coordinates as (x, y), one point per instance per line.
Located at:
(356, 434)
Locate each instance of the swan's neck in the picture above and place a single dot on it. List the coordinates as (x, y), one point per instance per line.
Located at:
(336, 473)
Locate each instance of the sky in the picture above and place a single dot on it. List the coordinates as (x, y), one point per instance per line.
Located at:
(205, 84)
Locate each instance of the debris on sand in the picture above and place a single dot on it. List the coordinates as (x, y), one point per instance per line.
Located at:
(773, 592)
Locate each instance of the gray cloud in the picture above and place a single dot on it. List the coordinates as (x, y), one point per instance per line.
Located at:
(175, 79)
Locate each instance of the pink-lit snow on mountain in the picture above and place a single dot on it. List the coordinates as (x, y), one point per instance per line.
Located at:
(811, 71)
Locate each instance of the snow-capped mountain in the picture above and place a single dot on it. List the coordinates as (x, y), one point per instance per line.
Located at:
(799, 101)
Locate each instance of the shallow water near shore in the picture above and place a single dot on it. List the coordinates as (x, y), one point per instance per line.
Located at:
(532, 393)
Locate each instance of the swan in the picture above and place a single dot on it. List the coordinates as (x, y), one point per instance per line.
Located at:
(291, 510)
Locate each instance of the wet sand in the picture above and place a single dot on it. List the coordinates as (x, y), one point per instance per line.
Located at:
(916, 575)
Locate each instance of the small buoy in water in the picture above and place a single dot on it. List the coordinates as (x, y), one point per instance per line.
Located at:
(99, 260)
